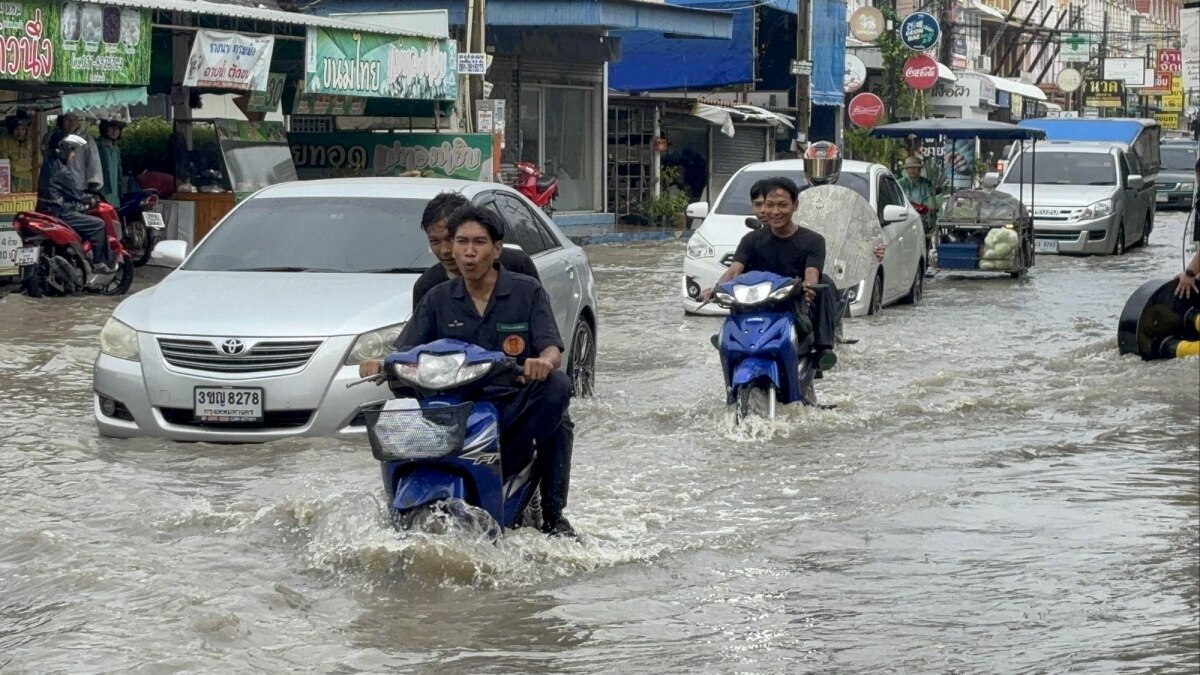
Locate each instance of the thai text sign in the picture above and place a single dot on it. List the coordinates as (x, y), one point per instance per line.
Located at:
(1104, 94)
(1170, 61)
(229, 61)
(1167, 120)
(465, 156)
(74, 43)
(346, 63)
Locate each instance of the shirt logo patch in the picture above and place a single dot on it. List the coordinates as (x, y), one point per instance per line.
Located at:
(512, 328)
(513, 345)
(455, 324)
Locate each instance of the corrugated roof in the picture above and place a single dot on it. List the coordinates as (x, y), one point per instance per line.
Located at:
(260, 14)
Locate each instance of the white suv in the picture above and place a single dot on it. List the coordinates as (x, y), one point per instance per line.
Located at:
(901, 277)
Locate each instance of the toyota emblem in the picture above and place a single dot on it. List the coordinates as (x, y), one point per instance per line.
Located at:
(233, 347)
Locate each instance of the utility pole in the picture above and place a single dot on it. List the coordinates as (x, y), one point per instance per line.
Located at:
(1104, 48)
(476, 43)
(946, 49)
(892, 90)
(803, 49)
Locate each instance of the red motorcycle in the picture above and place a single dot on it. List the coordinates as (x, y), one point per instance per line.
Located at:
(531, 182)
(55, 260)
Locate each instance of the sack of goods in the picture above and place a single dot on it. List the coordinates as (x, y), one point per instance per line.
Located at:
(1001, 244)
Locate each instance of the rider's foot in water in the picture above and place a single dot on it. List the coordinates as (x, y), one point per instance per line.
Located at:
(826, 359)
(559, 527)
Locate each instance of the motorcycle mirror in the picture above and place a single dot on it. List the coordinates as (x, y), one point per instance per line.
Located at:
(754, 223)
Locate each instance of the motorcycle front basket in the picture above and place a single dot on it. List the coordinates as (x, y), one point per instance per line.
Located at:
(418, 433)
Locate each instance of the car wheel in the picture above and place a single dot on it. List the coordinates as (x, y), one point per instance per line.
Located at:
(876, 304)
(1119, 245)
(582, 364)
(917, 290)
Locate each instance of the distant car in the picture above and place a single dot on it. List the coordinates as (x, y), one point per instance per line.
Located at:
(256, 335)
(901, 277)
(1085, 197)
(1177, 179)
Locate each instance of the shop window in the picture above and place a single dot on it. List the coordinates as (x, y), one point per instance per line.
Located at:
(557, 134)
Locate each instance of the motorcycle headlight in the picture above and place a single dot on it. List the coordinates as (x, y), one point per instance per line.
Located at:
(698, 247)
(374, 345)
(1098, 210)
(751, 295)
(119, 341)
(783, 292)
(441, 371)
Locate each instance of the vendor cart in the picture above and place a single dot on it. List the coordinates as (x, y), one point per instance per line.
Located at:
(979, 229)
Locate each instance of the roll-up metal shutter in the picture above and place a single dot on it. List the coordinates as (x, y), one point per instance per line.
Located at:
(747, 146)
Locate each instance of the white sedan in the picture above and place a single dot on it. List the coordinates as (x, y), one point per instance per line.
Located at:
(901, 277)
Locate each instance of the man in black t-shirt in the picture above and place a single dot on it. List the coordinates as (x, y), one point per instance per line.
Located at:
(786, 249)
(433, 222)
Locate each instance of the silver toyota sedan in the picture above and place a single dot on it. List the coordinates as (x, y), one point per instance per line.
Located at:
(257, 333)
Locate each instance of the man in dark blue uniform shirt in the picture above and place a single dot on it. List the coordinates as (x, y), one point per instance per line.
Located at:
(502, 311)
(433, 222)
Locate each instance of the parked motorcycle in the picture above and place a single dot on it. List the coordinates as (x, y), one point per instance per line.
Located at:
(440, 454)
(54, 260)
(527, 179)
(141, 228)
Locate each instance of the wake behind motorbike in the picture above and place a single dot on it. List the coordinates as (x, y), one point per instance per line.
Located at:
(764, 358)
(54, 260)
(438, 442)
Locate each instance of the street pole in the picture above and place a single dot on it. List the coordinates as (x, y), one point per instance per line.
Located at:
(475, 44)
(1104, 48)
(892, 90)
(946, 49)
(803, 102)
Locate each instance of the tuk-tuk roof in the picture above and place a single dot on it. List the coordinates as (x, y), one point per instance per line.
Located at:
(958, 129)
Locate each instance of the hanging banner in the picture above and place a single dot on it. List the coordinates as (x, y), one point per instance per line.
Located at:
(1189, 43)
(74, 43)
(229, 61)
(345, 63)
(344, 155)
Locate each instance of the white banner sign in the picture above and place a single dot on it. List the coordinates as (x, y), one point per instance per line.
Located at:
(1130, 71)
(229, 61)
(1189, 38)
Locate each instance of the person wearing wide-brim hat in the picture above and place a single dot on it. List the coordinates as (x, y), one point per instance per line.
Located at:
(918, 188)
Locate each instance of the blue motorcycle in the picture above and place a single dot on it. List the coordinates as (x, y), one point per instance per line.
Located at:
(440, 454)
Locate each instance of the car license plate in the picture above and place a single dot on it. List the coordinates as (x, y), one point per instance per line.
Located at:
(1162, 197)
(228, 404)
(1045, 246)
(26, 255)
(153, 220)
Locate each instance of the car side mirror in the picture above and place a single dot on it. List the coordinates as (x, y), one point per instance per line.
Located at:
(515, 247)
(754, 223)
(170, 252)
(1136, 181)
(894, 214)
(991, 179)
(697, 210)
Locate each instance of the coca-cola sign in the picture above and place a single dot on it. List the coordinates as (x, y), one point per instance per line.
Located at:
(920, 71)
(865, 110)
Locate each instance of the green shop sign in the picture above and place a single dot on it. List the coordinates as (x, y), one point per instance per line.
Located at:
(346, 155)
(347, 63)
(74, 43)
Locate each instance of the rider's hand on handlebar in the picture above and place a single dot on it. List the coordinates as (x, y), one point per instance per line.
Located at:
(370, 368)
(706, 295)
(537, 370)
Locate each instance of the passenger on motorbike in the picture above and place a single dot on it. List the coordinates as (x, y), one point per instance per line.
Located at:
(59, 195)
(441, 244)
(110, 160)
(499, 310)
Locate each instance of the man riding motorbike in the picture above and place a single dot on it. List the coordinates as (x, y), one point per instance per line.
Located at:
(85, 164)
(501, 311)
(59, 195)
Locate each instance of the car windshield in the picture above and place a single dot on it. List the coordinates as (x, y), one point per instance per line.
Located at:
(318, 234)
(736, 200)
(1178, 157)
(1063, 168)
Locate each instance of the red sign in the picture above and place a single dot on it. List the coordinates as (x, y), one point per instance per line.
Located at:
(1142, 6)
(920, 71)
(1170, 61)
(866, 110)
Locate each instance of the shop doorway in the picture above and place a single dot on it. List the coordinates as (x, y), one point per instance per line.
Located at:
(557, 127)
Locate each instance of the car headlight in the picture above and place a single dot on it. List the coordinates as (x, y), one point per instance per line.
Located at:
(119, 341)
(751, 295)
(698, 247)
(441, 371)
(374, 345)
(1098, 210)
(1187, 187)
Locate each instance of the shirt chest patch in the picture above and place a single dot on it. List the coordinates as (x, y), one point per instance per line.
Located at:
(512, 327)
(454, 323)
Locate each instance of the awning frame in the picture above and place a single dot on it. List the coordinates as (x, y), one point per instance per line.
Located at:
(1019, 88)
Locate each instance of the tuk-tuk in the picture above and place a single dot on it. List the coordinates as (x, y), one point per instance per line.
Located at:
(978, 229)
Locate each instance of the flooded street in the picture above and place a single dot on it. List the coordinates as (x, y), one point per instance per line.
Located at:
(997, 491)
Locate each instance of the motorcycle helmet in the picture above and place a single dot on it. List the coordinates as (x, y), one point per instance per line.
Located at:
(68, 144)
(822, 163)
(19, 119)
(105, 125)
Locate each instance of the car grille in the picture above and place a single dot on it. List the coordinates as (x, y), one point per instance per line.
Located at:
(1069, 235)
(272, 419)
(1168, 187)
(264, 357)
